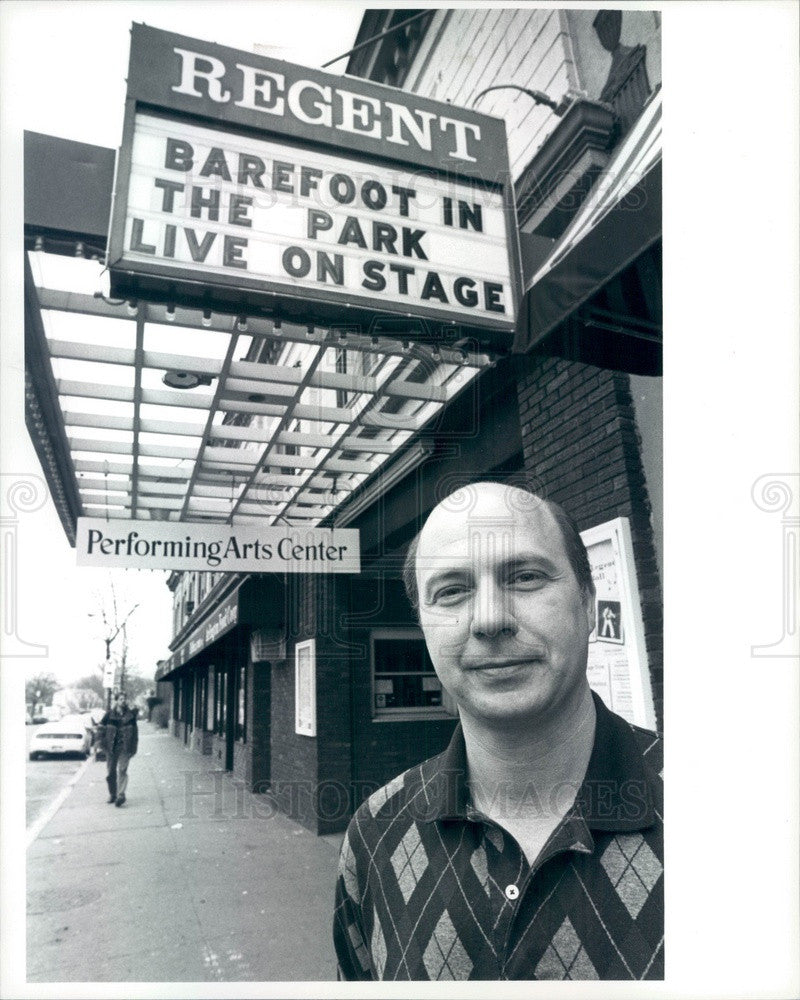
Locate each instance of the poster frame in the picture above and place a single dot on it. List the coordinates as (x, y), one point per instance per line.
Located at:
(303, 726)
(618, 533)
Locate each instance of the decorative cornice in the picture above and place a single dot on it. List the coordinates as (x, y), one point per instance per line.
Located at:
(552, 187)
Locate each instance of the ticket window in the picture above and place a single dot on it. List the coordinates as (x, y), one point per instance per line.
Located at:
(404, 683)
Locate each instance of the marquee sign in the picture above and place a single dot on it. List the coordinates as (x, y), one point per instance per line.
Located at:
(248, 181)
(132, 544)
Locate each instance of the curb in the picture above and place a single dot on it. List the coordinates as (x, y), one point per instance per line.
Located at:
(41, 822)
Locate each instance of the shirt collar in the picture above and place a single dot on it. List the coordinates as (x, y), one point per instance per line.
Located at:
(615, 795)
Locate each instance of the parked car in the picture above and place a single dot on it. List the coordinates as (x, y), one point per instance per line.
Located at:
(67, 736)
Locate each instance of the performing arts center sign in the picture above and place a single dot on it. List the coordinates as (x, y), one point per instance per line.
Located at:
(220, 548)
(247, 184)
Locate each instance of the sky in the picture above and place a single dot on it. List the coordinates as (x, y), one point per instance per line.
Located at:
(73, 56)
(64, 67)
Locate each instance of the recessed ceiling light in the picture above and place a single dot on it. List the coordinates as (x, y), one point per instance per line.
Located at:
(185, 380)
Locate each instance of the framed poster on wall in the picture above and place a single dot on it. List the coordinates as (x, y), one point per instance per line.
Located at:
(618, 669)
(305, 688)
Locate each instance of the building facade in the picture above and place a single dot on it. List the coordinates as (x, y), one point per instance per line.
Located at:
(318, 688)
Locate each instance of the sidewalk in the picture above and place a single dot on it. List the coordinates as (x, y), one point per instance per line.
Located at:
(192, 880)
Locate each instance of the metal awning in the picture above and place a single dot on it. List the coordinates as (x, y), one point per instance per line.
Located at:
(620, 220)
(258, 422)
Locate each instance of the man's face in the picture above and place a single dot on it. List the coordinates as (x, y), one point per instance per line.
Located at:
(506, 624)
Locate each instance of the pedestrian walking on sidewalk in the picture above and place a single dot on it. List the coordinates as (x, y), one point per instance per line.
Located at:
(120, 740)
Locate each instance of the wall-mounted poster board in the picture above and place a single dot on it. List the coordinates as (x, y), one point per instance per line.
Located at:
(305, 688)
(618, 669)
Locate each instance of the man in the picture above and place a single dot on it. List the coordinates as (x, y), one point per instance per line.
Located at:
(532, 847)
(120, 740)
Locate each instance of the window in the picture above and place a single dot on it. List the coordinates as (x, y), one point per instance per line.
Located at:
(241, 704)
(404, 682)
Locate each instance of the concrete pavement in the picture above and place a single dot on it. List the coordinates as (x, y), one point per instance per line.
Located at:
(192, 880)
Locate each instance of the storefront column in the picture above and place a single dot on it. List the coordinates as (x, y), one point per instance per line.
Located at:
(175, 701)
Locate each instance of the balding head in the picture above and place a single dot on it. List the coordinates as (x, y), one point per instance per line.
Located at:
(505, 605)
(500, 502)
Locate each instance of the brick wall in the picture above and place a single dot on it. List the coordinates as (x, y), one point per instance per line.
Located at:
(387, 748)
(293, 756)
(582, 449)
(336, 651)
(311, 776)
(259, 678)
(383, 748)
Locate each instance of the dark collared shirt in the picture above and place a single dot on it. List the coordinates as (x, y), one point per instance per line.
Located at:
(430, 889)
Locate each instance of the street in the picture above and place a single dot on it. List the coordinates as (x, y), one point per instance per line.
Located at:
(194, 880)
(45, 778)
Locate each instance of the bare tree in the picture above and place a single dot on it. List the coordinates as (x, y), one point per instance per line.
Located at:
(114, 621)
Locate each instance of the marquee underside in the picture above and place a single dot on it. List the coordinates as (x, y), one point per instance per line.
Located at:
(284, 425)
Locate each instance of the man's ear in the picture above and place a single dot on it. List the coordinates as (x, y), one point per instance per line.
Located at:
(588, 603)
